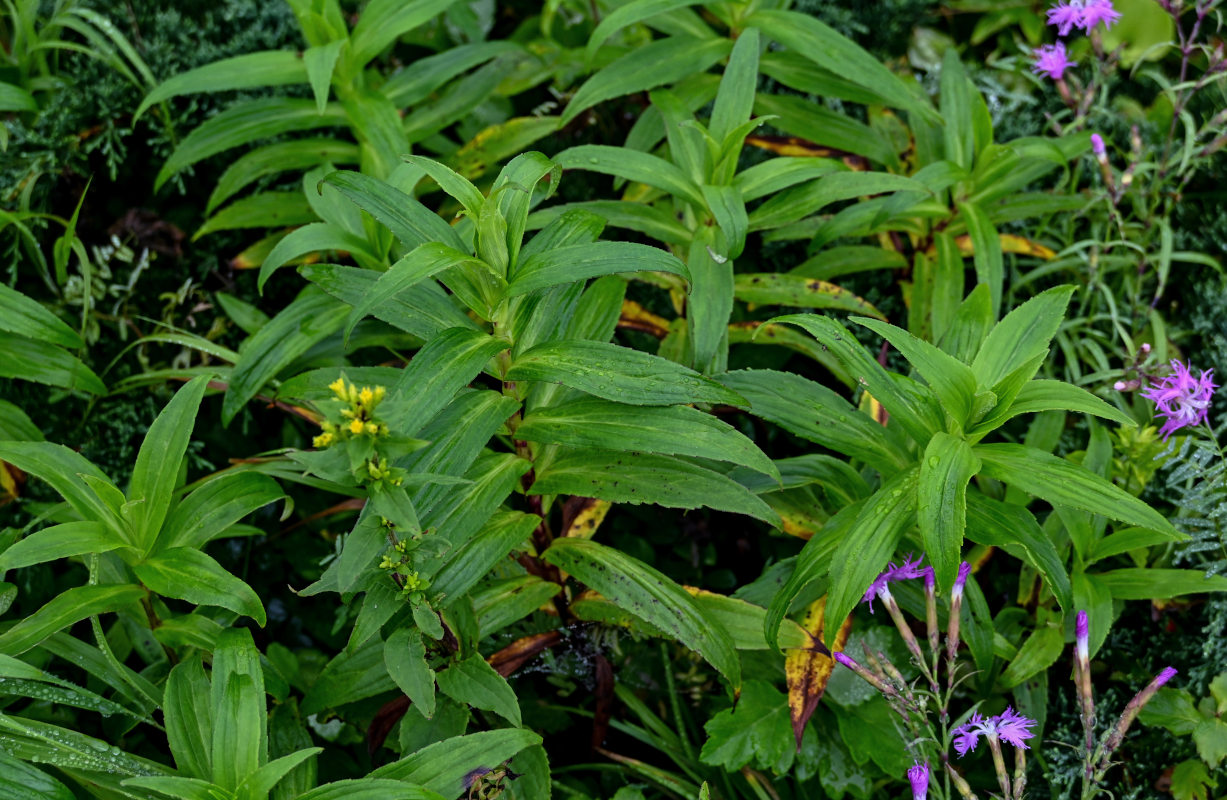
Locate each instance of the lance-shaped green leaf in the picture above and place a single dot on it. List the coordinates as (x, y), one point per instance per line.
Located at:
(1045, 395)
(780, 173)
(783, 289)
(1150, 583)
(60, 541)
(648, 220)
(318, 237)
(189, 717)
(668, 430)
(1021, 337)
(618, 373)
(405, 656)
(735, 98)
(474, 682)
(298, 154)
(187, 574)
(941, 512)
(814, 412)
(258, 119)
(382, 22)
(64, 470)
(1062, 482)
(818, 42)
(74, 752)
(25, 317)
(312, 317)
(16, 425)
(157, 464)
(14, 98)
(632, 165)
(448, 766)
(951, 380)
(645, 478)
(473, 560)
(213, 507)
(579, 262)
(801, 201)
(408, 220)
(629, 14)
(34, 360)
(1039, 652)
(425, 261)
(450, 181)
(65, 609)
(248, 71)
(710, 303)
(19, 780)
(263, 210)
(729, 211)
(868, 545)
(655, 64)
(650, 595)
(986, 244)
(1014, 529)
(443, 367)
(866, 369)
(424, 311)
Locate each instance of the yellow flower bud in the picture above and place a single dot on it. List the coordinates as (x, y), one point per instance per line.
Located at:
(323, 440)
(372, 428)
(338, 387)
(356, 426)
(366, 395)
(380, 392)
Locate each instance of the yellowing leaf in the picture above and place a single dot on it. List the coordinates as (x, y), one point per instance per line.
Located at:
(808, 670)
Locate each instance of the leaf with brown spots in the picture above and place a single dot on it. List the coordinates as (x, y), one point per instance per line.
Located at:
(581, 516)
(770, 288)
(807, 671)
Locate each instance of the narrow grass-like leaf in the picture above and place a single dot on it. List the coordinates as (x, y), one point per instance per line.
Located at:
(63, 469)
(990, 264)
(654, 597)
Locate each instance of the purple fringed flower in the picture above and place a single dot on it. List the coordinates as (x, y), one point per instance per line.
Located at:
(1097, 11)
(1066, 16)
(961, 580)
(918, 776)
(1084, 14)
(879, 587)
(1183, 400)
(1009, 726)
(1051, 60)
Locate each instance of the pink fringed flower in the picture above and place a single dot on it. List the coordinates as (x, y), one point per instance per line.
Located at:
(1182, 400)
(1052, 60)
(1009, 726)
(1066, 16)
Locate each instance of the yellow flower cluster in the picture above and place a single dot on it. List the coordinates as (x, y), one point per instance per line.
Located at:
(359, 417)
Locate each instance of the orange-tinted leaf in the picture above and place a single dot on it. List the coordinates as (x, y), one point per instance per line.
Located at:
(1010, 243)
(795, 146)
(808, 671)
(581, 516)
(521, 651)
(637, 318)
